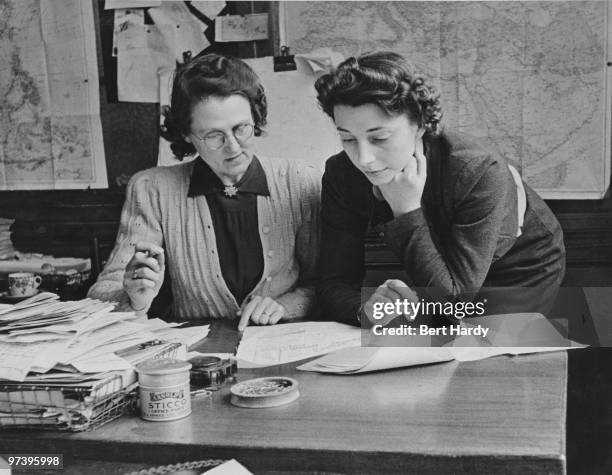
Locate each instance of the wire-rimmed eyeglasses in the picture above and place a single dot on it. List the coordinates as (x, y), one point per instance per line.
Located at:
(217, 139)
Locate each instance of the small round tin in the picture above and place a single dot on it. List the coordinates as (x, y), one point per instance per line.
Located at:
(265, 392)
(164, 389)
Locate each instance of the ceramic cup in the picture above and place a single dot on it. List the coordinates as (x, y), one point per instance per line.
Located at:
(23, 284)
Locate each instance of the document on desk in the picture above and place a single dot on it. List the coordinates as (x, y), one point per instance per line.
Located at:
(509, 335)
(285, 343)
(174, 333)
(366, 359)
(16, 359)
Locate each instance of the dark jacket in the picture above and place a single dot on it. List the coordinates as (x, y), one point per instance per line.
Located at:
(463, 238)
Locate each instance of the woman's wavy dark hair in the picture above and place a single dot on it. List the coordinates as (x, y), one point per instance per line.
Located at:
(386, 79)
(200, 78)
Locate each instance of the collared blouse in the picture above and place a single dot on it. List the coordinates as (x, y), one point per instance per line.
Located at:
(235, 223)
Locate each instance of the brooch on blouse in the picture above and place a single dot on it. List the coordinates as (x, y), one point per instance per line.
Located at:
(230, 191)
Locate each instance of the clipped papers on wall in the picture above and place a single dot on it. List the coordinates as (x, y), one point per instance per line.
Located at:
(241, 27)
(144, 52)
(181, 30)
(321, 59)
(123, 19)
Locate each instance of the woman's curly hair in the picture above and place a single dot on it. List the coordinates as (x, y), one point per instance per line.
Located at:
(386, 79)
(200, 78)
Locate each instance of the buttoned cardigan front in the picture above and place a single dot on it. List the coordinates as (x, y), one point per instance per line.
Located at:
(158, 210)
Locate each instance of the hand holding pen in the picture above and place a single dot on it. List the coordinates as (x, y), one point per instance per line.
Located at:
(144, 274)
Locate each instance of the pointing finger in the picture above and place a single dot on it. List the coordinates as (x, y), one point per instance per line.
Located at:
(247, 310)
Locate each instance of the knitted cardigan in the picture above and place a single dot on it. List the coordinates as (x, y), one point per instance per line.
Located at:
(158, 210)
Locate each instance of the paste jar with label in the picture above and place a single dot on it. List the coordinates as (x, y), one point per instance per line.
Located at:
(164, 389)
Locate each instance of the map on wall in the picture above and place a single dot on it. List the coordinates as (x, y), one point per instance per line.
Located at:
(50, 130)
(530, 76)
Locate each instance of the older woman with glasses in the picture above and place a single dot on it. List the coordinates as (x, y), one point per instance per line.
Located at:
(237, 233)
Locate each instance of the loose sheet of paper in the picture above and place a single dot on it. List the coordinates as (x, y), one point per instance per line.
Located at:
(365, 359)
(181, 30)
(147, 54)
(106, 362)
(141, 53)
(211, 9)
(507, 333)
(241, 27)
(187, 336)
(321, 59)
(16, 359)
(278, 344)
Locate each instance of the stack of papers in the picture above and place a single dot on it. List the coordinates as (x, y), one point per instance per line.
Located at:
(84, 336)
(70, 363)
(41, 332)
(174, 332)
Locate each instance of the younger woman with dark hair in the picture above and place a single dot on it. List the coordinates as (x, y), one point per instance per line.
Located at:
(460, 219)
(238, 233)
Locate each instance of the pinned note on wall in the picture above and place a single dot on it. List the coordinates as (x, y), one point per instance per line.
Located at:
(209, 8)
(142, 52)
(180, 29)
(241, 27)
(145, 51)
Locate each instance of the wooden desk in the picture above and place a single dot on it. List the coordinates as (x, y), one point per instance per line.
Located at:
(503, 415)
